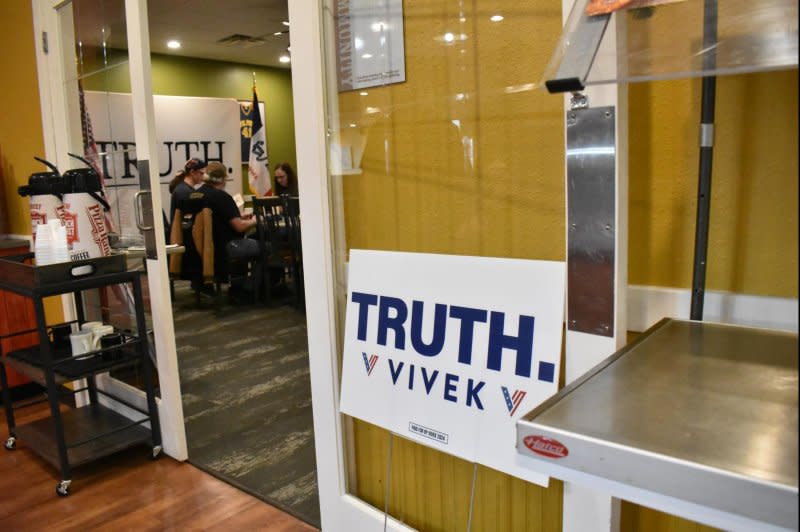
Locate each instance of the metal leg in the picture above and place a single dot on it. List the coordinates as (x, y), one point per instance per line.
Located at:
(52, 391)
(7, 405)
(147, 366)
(91, 384)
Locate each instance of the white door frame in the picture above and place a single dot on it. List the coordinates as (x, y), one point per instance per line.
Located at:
(61, 126)
(339, 509)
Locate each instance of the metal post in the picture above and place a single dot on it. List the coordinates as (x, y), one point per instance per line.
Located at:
(706, 155)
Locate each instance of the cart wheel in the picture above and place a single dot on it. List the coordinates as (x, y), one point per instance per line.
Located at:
(62, 489)
(11, 443)
(156, 452)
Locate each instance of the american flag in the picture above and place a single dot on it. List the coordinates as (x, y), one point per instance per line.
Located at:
(90, 150)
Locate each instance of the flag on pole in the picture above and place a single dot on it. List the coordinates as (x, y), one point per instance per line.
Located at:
(258, 165)
(90, 152)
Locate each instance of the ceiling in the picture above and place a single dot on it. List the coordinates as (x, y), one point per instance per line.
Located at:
(198, 24)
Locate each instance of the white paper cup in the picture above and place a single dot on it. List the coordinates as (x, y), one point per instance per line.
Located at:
(81, 342)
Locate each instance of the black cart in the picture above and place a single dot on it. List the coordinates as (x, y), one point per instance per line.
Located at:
(78, 435)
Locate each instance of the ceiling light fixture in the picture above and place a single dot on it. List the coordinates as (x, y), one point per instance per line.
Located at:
(363, 93)
(496, 18)
(285, 23)
(284, 59)
(366, 56)
(278, 33)
(173, 44)
(449, 37)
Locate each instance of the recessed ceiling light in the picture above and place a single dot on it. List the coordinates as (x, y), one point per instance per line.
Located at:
(173, 44)
(284, 59)
(363, 93)
(366, 56)
(449, 37)
(278, 33)
(285, 23)
(496, 18)
(352, 125)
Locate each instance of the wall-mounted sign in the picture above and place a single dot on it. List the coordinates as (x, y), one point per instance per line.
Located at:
(370, 50)
(186, 127)
(450, 351)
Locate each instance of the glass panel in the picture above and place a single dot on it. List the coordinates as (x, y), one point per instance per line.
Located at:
(100, 35)
(667, 41)
(462, 157)
(98, 88)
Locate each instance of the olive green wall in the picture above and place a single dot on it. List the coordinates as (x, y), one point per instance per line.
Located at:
(187, 76)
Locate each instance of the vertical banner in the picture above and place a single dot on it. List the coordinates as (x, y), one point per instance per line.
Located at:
(370, 50)
(246, 116)
(449, 351)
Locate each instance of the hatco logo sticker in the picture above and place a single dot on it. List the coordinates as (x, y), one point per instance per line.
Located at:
(546, 446)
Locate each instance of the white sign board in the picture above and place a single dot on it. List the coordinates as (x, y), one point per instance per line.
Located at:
(450, 351)
(370, 50)
(186, 127)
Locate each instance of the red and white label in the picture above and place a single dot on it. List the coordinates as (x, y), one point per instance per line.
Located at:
(546, 446)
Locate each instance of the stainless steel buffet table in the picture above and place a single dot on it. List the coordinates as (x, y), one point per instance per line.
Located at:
(699, 412)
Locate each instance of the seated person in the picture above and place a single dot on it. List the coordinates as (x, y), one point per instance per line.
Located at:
(228, 223)
(184, 183)
(285, 181)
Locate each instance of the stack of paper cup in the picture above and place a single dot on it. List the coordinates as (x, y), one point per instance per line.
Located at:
(51, 243)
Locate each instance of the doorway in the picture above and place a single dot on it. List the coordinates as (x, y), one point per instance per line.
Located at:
(242, 350)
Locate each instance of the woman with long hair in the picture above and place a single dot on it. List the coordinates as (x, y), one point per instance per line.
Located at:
(184, 183)
(285, 180)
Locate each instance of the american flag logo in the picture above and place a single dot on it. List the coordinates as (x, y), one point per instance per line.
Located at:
(513, 400)
(369, 363)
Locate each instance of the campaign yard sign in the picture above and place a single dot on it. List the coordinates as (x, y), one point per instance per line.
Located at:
(450, 351)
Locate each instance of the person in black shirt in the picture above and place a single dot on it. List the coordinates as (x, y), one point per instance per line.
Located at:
(227, 223)
(184, 183)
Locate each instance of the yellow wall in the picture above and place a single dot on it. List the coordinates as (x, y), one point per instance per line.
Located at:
(753, 232)
(20, 122)
(419, 190)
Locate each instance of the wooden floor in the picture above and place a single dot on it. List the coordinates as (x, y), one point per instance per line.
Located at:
(127, 491)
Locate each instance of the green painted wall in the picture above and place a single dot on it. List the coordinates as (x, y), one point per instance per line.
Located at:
(187, 76)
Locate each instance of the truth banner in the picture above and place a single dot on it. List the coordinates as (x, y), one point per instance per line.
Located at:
(186, 127)
(450, 351)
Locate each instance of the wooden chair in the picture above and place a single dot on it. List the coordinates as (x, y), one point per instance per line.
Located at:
(192, 227)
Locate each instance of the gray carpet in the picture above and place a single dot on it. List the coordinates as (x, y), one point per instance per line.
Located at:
(247, 398)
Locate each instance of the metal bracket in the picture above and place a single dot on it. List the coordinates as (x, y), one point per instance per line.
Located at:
(578, 101)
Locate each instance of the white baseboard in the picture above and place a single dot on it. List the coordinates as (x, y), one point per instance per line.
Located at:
(648, 304)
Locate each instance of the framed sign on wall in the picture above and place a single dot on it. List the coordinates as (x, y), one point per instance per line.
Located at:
(370, 50)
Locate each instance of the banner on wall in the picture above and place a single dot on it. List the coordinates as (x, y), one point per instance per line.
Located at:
(186, 127)
(449, 351)
(370, 50)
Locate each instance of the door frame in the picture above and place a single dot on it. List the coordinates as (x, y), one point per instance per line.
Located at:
(340, 510)
(61, 127)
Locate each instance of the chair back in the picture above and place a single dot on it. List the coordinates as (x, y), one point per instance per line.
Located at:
(269, 224)
(192, 228)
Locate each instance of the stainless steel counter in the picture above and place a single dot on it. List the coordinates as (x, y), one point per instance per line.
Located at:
(705, 413)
